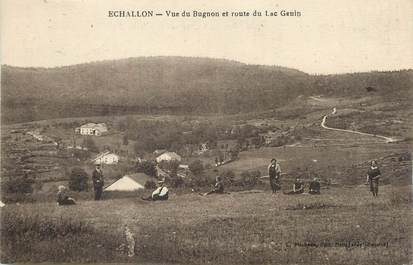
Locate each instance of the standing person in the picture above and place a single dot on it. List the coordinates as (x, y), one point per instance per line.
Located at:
(373, 175)
(98, 182)
(274, 171)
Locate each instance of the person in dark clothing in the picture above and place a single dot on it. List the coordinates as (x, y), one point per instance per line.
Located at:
(274, 172)
(298, 187)
(314, 187)
(63, 198)
(98, 182)
(218, 188)
(373, 176)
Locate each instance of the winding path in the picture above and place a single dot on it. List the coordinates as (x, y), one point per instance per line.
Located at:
(323, 124)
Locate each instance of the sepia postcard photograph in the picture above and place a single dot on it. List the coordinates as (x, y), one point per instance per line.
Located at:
(189, 132)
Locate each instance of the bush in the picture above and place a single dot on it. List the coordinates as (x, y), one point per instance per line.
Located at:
(196, 167)
(82, 155)
(405, 157)
(198, 181)
(125, 140)
(90, 145)
(147, 167)
(176, 182)
(250, 178)
(78, 180)
(228, 176)
(19, 185)
(171, 166)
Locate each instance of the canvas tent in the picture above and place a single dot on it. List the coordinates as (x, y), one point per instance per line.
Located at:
(129, 183)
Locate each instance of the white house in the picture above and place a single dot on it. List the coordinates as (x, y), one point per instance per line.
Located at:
(168, 156)
(107, 158)
(96, 129)
(270, 136)
(129, 183)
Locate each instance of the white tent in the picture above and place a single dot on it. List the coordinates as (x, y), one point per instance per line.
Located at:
(129, 183)
(2, 204)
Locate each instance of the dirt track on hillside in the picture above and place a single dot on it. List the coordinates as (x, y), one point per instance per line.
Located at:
(323, 125)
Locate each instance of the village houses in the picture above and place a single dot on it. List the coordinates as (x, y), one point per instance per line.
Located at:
(107, 158)
(96, 129)
(168, 156)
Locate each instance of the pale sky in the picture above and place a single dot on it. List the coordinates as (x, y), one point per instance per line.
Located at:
(331, 36)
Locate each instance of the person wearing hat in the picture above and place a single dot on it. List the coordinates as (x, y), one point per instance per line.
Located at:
(98, 182)
(63, 198)
(218, 188)
(274, 172)
(160, 194)
(373, 176)
(314, 187)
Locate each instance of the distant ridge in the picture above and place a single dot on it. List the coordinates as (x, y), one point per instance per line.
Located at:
(186, 85)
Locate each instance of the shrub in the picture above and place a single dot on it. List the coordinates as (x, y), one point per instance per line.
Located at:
(250, 178)
(176, 182)
(125, 140)
(234, 153)
(405, 157)
(228, 176)
(198, 181)
(196, 167)
(171, 166)
(78, 180)
(82, 155)
(147, 167)
(19, 185)
(90, 145)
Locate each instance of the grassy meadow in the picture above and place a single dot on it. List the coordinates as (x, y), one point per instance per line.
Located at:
(340, 226)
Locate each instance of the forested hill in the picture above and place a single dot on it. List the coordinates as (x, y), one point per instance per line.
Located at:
(169, 84)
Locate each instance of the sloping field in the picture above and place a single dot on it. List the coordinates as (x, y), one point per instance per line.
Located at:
(341, 226)
(327, 158)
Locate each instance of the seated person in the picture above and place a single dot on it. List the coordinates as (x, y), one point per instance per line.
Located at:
(160, 194)
(63, 198)
(314, 187)
(298, 187)
(218, 188)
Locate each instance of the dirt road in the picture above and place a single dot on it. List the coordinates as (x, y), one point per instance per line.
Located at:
(323, 124)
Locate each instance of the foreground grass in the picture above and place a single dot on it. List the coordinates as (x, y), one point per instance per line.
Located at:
(341, 226)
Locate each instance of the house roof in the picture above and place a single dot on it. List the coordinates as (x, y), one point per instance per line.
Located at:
(92, 125)
(159, 151)
(170, 154)
(103, 154)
